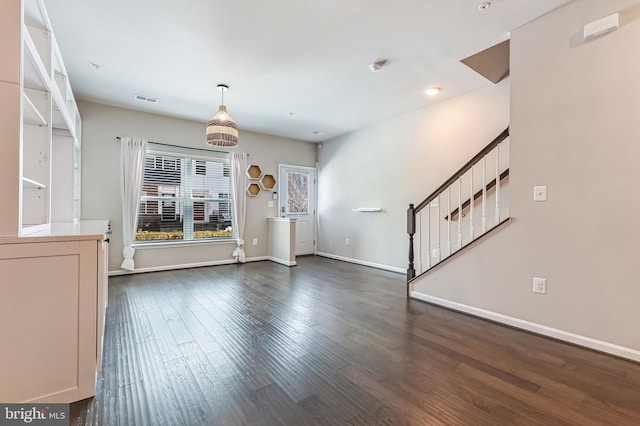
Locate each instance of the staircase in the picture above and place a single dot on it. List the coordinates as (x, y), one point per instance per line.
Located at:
(469, 205)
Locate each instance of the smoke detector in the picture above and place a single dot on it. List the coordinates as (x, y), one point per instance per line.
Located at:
(377, 65)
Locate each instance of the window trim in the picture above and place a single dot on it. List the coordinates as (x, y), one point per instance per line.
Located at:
(186, 152)
(168, 243)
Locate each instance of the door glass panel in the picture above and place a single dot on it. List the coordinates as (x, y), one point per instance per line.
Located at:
(297, 193)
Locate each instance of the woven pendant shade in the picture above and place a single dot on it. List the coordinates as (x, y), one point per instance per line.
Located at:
(222, 130)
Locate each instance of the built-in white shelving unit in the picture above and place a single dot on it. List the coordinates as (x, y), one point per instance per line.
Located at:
(51, 125)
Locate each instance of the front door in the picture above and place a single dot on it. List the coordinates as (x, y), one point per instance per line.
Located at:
(297, 199)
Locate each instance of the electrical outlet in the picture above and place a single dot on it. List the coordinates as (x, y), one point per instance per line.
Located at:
(255, 241)
(540, 285)
(436, 253)
(347, 241)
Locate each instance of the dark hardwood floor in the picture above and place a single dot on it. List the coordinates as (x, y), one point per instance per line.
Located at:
(332, 343)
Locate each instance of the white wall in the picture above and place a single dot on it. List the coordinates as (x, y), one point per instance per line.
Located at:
(397, 162)
(101, 196)
(574, 127)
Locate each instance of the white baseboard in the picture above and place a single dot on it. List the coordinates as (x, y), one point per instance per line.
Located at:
(282, 261)
(363, 262)
(566, 336)
(185, 266)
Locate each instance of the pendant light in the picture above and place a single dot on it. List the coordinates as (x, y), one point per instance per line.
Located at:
(222, 130)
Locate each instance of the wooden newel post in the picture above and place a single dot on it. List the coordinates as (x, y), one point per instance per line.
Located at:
(411, 229)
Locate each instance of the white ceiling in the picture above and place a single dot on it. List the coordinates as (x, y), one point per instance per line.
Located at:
(310, 58)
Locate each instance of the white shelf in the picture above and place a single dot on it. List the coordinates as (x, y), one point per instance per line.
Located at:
(31, 115)
(30, 183)
(367, 209)
(30, 230)
(41, 38)
(35, 73)
(35, 15)
(60, 117)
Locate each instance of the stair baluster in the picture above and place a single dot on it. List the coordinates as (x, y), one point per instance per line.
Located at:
(430, 239)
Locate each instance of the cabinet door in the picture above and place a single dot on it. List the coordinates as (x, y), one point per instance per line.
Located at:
(47, 321)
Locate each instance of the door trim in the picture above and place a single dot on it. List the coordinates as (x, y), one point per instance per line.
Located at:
(314, 172)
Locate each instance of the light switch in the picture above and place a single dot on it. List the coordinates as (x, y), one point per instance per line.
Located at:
(540, 193)
(269, 203)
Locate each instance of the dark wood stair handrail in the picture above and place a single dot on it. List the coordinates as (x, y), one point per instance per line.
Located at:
(413, 210)
(502, 136)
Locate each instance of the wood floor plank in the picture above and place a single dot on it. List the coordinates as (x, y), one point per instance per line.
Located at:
(535, 405)
(160, 394)
(181, 333)
(412, 413)
(191, 401)
(164, 338)
(274, 401)
(322, 413)
(329, 343)
(194, 324)
(220, 409)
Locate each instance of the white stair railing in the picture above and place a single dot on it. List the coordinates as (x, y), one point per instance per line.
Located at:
(472, 190)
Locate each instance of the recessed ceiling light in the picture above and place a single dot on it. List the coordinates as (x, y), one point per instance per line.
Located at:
(319, 132)
(485, 5)
(432, 91)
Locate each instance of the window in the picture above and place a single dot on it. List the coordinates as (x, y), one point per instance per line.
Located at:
(297, 193)
(184, 197)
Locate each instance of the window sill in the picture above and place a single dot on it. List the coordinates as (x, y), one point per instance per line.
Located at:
(174, 244)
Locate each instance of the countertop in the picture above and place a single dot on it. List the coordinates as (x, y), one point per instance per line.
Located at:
(68, 231)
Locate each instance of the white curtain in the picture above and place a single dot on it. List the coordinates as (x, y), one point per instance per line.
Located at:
(238, 163)
(132, 153)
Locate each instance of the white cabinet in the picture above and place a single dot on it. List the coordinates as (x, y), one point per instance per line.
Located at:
(41, 125)
(52, 311)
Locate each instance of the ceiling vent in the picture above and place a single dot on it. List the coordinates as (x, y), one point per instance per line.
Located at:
(145, 99)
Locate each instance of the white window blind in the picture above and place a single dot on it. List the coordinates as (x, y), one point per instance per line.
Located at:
(185, 196)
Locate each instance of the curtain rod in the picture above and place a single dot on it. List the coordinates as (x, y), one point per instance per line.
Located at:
(184, 147)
